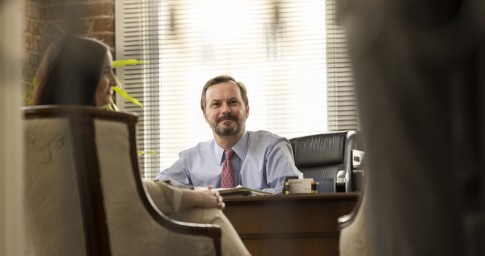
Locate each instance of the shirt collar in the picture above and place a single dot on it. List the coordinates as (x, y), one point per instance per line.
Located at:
(241, 148)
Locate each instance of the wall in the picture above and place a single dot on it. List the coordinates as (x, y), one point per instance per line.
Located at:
(48, 19)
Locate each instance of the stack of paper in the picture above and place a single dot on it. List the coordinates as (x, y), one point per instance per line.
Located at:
(239, 190)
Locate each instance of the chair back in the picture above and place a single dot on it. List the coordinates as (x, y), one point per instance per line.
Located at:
(84, 194)
(324, 155)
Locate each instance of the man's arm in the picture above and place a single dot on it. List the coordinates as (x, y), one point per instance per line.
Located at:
(175, 172)
(280, 164)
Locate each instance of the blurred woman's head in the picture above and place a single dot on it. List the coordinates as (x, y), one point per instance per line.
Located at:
(75, 71)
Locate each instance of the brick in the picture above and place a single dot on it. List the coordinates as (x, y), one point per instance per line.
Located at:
(35, 27)
(47, 2)
(43, 18)
(78, 11)
(30, 44)
(103, 24)
(34, 11)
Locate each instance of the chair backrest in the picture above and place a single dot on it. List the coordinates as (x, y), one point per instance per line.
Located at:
(84, 194)
(323, 155)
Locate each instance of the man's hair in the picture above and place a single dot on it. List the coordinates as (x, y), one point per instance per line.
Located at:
(218, 80)
(70, 71)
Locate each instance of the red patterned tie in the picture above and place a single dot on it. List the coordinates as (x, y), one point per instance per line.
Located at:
(227, 175)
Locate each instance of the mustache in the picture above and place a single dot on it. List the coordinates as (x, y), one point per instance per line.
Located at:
(227, 116)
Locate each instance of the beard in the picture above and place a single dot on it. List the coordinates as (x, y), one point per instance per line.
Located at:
(223, 130)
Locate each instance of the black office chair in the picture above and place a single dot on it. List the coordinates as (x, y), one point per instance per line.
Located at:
(324, 155)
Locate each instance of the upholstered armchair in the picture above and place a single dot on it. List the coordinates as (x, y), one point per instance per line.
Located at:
(84, 194)
(354, 236)
(324, 155)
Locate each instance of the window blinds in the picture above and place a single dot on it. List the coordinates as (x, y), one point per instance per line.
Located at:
(342, 106)
(281, 51)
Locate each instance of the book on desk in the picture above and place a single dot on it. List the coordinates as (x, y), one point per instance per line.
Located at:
(239, 190)
(175, 183)
(292, 186)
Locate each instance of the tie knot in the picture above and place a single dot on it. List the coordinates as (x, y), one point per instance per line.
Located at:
(229, 153)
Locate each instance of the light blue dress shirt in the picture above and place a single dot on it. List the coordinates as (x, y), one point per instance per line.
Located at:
(261, 161)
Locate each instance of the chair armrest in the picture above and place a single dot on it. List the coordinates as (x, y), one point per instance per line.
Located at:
(348, 219)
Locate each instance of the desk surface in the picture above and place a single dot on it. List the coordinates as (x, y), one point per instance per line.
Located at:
(289, 224)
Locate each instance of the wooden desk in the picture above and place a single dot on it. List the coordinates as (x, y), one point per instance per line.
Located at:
(289, 224)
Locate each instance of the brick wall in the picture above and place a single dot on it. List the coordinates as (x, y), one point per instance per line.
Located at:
(46, 19)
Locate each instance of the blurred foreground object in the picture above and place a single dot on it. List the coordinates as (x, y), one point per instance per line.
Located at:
(419, 72)
(11, 236)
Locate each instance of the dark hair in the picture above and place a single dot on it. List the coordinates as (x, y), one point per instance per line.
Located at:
(223, 79)
(70, 71)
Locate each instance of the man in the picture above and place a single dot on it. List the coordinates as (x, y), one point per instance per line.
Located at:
(259, 160)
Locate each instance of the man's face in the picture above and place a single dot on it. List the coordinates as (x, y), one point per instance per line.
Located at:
(225, 110)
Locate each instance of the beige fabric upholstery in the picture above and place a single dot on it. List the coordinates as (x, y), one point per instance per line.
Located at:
(125, 212)
(52, 207)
